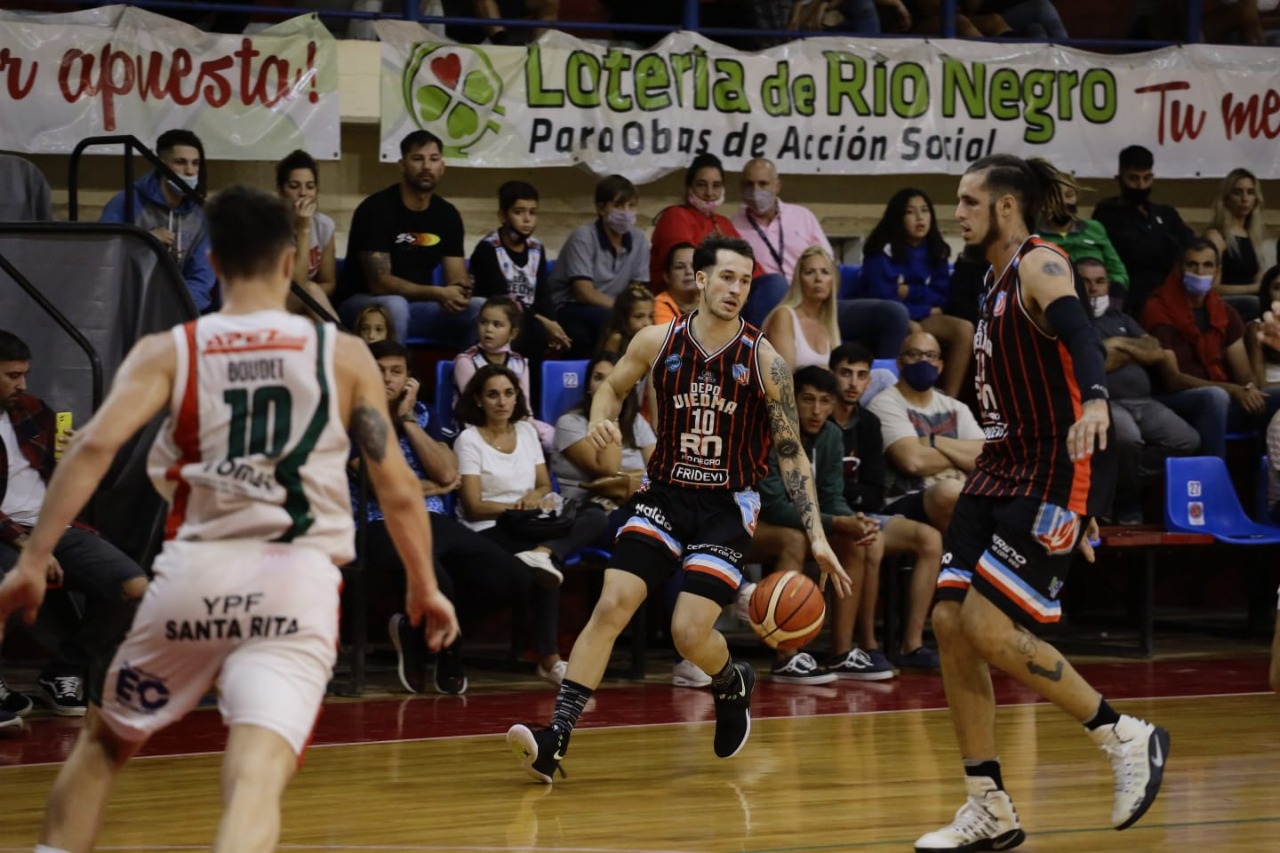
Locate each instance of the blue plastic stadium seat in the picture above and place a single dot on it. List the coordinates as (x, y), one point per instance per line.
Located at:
(444, 395)
(850, 281)
(1200, 498)
(563, 384)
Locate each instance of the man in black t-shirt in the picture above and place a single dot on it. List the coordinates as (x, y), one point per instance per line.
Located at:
(1149, 237)
(399, 237)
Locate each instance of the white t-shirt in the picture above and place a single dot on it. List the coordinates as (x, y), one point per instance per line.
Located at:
(572, 428)
(504, 477)
(899, 419)
(322, 229)
(25, 493)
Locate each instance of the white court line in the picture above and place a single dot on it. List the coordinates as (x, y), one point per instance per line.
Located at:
(626, 726)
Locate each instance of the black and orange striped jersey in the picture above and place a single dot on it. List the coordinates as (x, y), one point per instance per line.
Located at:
(712, 425)
(1029, 398)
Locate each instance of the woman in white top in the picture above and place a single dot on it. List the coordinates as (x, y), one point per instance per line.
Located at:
(803, 328)
(502, 467)
(315, 267)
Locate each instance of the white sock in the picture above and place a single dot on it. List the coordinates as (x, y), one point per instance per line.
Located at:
(45, 848)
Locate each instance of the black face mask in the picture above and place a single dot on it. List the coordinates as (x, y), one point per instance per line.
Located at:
(1135, 196)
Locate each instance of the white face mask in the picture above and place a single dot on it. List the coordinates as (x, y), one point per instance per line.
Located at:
(759, 201)
(191, 181)
(1100, 304)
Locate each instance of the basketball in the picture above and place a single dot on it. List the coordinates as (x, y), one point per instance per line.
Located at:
(787, 610)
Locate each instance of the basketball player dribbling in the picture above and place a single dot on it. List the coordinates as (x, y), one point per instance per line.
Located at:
(253, 461)
(1026, 507)
(721, 393)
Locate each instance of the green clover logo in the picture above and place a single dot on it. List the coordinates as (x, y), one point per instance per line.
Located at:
(453, 91)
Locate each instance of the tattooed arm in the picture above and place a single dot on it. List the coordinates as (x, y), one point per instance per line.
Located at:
(793, 463)
(378, 279)
(363, 404)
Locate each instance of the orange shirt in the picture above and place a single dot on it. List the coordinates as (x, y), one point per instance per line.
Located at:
(665, 308)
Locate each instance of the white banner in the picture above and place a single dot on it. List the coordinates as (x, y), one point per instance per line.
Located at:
(830, 106)
(121, 70)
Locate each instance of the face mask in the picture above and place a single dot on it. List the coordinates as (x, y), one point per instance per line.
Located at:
(1100, 304)
(1197, 285)
(620, 221)
(188, 182)
(759, 201)
(921, 376)
(1134, 196)
(704, 207)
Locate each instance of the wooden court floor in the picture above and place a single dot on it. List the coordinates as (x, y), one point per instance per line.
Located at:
(843, 767)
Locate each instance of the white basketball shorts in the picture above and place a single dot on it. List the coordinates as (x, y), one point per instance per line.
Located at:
(259, 619)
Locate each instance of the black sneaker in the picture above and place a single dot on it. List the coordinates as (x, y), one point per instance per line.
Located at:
(733, 712)
(451, 678)
(13, 702)
(63, 694)
(10, 723)
(411, 653)
(539, 750)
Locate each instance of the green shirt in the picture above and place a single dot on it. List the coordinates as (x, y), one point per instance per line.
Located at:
(826, 455)
(1086, 238)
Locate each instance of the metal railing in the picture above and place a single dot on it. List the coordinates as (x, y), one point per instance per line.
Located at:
(690, 19)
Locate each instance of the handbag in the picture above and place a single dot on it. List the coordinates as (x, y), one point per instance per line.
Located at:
(536, 525)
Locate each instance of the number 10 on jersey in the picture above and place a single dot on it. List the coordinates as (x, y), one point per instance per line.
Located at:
(263, 419)
(701, 439)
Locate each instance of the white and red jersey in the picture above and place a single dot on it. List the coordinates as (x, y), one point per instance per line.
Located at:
(254, 446)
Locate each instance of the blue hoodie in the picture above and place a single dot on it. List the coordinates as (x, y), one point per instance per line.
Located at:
(191, 232)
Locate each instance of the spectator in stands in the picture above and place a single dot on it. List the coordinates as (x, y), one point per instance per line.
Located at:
(632, 311)
(1264, 357)
(511, 262)
(315, 268)
(681, 294)
(778, 231)
(864, 482)
(110, 583)
(1085, 238)
(696, 218)
(1206, 337)
(848, 16)
(511, 10)
(1149, 237)
(802, 328)
(598, 261)
(925, 18)
(1037, 19)
(1146, 430)
(931, 440)
(497, 331)
(171, 215)
(906, 260)
(503, 469)
(1236, 229)
(779, 533)
(1224, 22)
(399, 236)
(476, 574)
(373, 324)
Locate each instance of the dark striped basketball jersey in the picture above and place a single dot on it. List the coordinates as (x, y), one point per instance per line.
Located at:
(712, 426)
(1028, 397)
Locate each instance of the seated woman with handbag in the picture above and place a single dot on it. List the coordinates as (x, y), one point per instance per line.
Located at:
(506, 496)
(601, 480)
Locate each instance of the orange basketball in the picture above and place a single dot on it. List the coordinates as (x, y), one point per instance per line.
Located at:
(787, 610)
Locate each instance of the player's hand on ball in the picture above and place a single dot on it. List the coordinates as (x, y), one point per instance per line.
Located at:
(831, 569)
(604, 433)
(1095, 417)
(442, 623)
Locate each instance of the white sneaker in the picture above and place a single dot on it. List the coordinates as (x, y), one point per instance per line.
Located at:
(545, 571)
(1138, 751)
(742, 602)
(987, 821)
(554, 675)
(687, 674)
